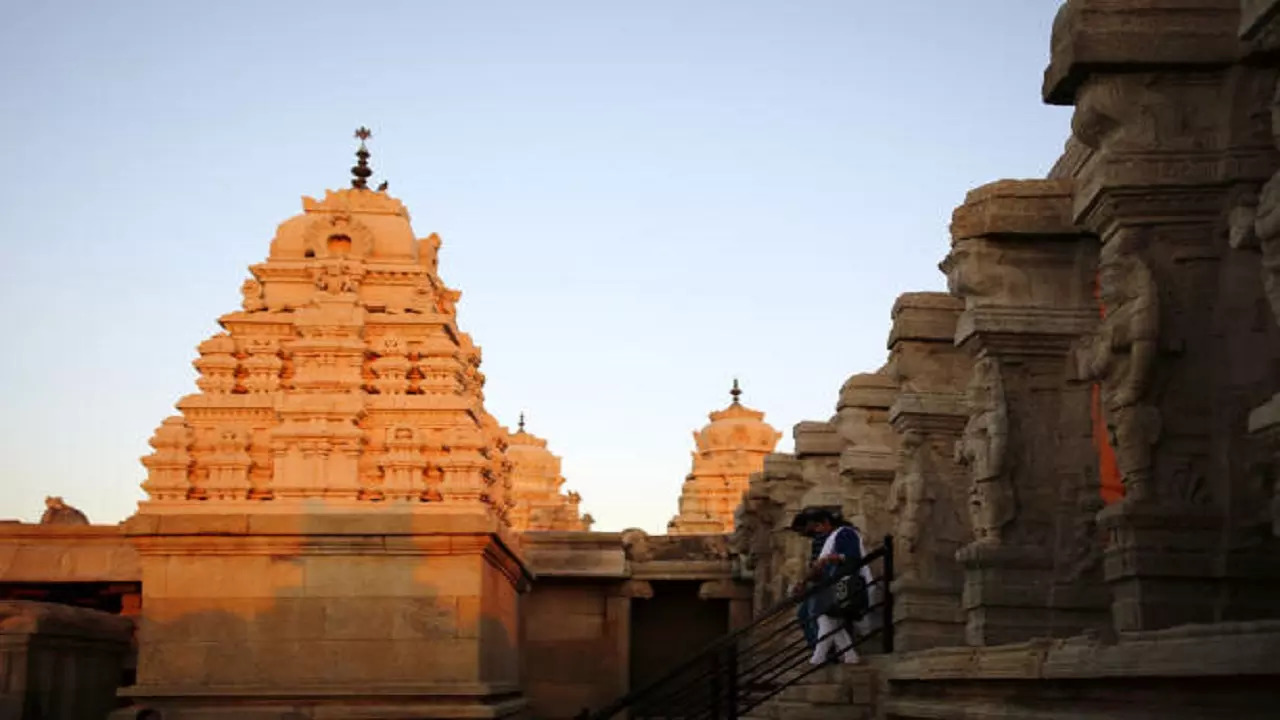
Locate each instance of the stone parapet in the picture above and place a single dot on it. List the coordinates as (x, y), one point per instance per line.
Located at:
(31, 553)
(575, 554)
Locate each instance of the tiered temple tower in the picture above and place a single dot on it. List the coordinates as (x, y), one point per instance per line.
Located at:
(327, 518)
(728, 451)
(343, 378)
(536, 500)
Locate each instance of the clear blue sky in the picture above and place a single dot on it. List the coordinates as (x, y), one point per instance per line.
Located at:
(639, 201)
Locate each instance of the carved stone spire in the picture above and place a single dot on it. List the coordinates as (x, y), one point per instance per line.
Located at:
(362, 171)
(727, 451)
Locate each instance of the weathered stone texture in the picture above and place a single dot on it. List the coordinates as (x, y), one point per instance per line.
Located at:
(1026, 276)
(868, 455)
(769, 553)
(1177, 133)
(570, 648)
(1191, 673)
(58, 662)
(928, 500)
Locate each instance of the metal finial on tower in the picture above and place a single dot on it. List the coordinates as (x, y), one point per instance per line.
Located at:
(362, 171)
(521, 422)
(736, 392)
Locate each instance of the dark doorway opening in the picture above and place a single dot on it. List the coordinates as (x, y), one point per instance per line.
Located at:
(672, 626)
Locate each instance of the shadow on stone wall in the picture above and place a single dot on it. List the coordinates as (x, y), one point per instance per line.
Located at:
(387, 610)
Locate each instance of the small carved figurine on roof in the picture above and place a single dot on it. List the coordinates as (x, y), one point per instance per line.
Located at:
(58, 512)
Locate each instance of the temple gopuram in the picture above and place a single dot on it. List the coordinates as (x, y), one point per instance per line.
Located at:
(1065, 469)
(536, 500)
(728, 450)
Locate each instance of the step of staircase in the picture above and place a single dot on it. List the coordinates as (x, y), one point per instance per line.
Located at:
(832, 693)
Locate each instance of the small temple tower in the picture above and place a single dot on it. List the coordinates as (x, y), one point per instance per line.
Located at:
(536, 500)
(728, 451)
(327, 518)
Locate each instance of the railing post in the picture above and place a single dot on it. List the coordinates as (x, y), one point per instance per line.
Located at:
(716, 685)
(733, 681)
(887, 615)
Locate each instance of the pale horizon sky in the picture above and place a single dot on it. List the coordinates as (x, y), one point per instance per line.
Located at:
(639, 202)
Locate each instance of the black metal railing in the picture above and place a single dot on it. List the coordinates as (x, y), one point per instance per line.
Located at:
(747, 667)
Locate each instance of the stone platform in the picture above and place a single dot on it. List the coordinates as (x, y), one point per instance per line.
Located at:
(390, 614)
(1195, 672)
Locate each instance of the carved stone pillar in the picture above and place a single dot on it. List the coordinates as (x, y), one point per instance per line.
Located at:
(618, 603)
(1026, 274)
(928, 499)
(774, 554)
(737, 594)
(1179, 356)
(868, 458)
(1260, 232)
(818, 451)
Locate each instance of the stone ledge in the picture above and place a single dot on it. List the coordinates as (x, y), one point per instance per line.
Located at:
(274, 517)
(867, 390)
(424, 690)
(62, 553)
(924, 317)
(869, 463)
(575, 554)
(1016, 210)
(944, 406)
(25, 617)
(324, 708)
(816, 437)
(1223, 649)
(1026, 330)
(1137, 36)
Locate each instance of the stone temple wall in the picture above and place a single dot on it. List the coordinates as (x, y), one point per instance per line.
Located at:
(1076, 447)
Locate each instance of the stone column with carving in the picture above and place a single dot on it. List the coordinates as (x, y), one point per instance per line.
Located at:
(929, 497)
(1257, 229)
(1026, 275)
(770, 554)
(818, 448)
(868, 456)
(1177, 141)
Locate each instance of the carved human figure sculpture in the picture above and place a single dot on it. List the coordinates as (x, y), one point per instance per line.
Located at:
(1121, 356)
(981, 449)
(911, 502)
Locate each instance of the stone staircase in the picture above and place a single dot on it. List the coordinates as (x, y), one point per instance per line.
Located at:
(832, 693)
